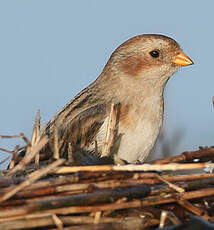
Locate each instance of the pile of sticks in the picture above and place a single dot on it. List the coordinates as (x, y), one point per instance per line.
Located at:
(147, 196)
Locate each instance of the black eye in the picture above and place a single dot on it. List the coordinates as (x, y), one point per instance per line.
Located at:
(154, 53)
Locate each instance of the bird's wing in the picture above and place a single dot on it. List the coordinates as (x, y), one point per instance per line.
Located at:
(78, 131)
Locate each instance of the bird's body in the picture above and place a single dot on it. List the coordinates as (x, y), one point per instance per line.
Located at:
(130, 89)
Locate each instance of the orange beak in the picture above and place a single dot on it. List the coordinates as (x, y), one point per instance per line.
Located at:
(182, 60)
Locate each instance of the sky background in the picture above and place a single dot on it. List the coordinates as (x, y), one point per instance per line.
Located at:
(50, 50)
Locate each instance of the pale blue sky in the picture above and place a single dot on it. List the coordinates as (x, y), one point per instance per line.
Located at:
(50, 50)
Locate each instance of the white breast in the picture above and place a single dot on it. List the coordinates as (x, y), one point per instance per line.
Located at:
(137, 143)
(136, 140)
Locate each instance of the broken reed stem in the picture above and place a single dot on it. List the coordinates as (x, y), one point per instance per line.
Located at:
(57, 222)
(143, 167)
(73, 184)
(14, 158)
(172, 186)
(25, 139)
(36, 129)
(110, 132)
(190, 207)
(35, 136)
(32, 178)
(7, 151)
(28, 157)
(150, 201)
(134, 204)
(56, 143)
(206, 154)
(163, 218)
(39, 221)
(11, 136)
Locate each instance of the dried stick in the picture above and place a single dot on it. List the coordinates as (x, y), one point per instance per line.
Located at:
(36, 129)
(28, 157)
(143, 167)
(36, 134)
(32, 177)
(11, 136)
(57, 222)
(39, 221)
(190, 207)
(73, 182)
(133, 204)
(25, 139)
(97, 217)
(110, 132)
(163, 218)
(206, 153)
(7, 151)
(7, 214)
(14, 158)
(56, 143)
(119, 201)
(173, 186)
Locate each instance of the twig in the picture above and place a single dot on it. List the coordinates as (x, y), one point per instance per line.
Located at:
(56, 142)
(32, 177)
(143, 167)
(119, 201)
(94, 208)
(25, 139)
(36, 129)
(205, 154)
(110, 132)
(190, 207)
(35, 136)
(163, 219)
(57, 222)
(39, 221)
(28, 157)
(10, 136)
(73, 182)
(97, 217)
(173, 186)
(14, 158)
(7, 151)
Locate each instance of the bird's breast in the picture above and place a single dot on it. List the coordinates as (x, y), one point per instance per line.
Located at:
(140, 130)
(135, 131)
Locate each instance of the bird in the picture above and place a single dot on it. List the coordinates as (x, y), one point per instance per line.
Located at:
(120, 114)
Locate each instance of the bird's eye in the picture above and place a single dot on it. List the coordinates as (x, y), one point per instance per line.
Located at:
(154, 53)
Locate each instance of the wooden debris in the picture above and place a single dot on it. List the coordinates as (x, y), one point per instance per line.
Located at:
(54, 195)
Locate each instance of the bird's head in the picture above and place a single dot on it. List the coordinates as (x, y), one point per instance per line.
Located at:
(148, 57)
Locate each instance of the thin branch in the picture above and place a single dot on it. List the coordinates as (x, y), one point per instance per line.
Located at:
(173, 186)
(205, 154)
(190, 207)
(10, 136)
(7, 151)
(36, 129)
(28, 157)
(57, 222)
(32, 178)
(56, 142)
(109, 137)
(143, 167)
